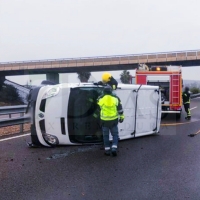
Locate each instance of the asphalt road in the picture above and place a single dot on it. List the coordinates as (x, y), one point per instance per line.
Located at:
(163, 167)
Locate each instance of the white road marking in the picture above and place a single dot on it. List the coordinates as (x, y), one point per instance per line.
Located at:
(193, 108)
(14, 137)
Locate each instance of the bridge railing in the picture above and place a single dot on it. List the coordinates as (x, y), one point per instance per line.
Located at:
(102, 60)
(195, 95)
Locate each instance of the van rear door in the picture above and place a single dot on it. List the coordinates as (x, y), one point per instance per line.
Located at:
(142, 110)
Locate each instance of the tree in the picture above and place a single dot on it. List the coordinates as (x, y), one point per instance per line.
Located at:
(125, 77)
(84, 76)
(9, 94)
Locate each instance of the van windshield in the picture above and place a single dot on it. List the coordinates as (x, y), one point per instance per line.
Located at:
(83, 127)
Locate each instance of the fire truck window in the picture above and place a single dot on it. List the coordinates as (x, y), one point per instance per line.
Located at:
(164, 87)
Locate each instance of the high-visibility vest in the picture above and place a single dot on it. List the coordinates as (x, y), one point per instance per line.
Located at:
(108, 105)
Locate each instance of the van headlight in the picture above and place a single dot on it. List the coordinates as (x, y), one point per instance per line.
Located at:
(50, 139)
(51, 92)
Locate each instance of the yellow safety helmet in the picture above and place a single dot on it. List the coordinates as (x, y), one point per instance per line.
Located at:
(106, 77)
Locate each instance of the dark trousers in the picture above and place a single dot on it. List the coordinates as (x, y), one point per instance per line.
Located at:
(187, 109)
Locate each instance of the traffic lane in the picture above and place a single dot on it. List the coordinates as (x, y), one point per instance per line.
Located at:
(152, 167)
(146, 167)
(27, 173)
(195, 108)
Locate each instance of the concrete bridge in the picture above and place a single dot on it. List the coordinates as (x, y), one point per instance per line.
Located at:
(105, 63)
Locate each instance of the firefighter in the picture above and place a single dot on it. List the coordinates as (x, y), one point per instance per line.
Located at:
(186, 102)
(111, 112)
(107, 78)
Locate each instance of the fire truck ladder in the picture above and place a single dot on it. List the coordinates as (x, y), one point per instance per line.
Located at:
(175, 89)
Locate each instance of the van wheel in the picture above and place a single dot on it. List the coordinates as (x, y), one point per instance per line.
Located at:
(34, 138)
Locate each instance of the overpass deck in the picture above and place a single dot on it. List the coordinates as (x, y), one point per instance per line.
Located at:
(184, 58)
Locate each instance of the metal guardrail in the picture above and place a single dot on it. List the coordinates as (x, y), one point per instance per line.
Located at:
(6, 110)
(14, 121)
(195, 95)
(9, 110)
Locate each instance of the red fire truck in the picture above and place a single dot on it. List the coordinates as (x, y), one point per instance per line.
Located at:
(169, 78)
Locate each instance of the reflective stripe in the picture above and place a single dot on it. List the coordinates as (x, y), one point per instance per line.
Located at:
(95, 115)
(189, 113)
(122, 117)
(114, 146)
(120, 111)
(114, 87)
(108, 117)
(91, 100)
(107, 148)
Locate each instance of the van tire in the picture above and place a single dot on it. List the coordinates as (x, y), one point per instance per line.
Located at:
(34, 137)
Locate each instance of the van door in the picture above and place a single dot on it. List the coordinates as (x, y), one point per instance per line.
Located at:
(128, 99)
(148, 112)
(142, 112)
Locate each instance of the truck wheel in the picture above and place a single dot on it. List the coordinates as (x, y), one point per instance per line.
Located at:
(178, 115)
(163, 115)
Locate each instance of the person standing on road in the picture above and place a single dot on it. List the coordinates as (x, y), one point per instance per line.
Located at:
(186, 102)
(111, 112)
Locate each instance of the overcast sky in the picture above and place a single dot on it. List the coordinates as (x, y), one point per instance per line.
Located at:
(51, 29)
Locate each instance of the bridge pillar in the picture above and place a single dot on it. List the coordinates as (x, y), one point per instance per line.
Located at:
(54, 77)
(2, 79)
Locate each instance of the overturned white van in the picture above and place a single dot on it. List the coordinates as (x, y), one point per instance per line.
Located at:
(63, 114)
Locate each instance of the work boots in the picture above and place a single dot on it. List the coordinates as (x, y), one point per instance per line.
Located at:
(114, 152)
(107, 153)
